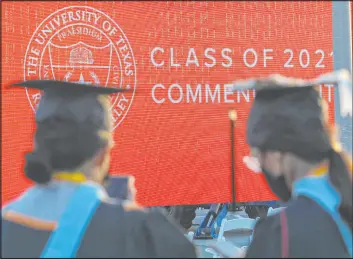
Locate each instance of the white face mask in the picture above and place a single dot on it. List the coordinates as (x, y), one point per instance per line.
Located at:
(252, 163)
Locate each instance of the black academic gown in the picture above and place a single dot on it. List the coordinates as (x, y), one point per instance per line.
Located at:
(114, 231)
(312, 232)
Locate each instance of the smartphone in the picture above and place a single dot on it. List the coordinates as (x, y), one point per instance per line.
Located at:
(121, 187)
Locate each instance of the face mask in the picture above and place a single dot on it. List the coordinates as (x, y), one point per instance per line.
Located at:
(278, 186)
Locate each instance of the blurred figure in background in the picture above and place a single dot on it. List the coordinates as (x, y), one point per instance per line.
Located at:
(67, 213)
(299, 155)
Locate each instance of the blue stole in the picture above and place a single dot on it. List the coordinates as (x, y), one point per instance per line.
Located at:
(320, 190)
(66, 239)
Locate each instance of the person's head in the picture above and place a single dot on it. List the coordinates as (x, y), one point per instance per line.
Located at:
(289, 134)
(292, 166)
(73, 132)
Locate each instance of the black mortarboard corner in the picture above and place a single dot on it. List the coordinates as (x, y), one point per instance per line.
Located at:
(69, 118)
(76, 100)
(287, 116)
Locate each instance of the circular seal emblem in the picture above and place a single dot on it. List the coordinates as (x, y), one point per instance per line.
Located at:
(82, 44)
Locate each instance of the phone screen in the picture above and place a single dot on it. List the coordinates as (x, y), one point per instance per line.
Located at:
(120, 187)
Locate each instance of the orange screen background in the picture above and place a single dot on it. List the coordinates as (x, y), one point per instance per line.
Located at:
(178, 152)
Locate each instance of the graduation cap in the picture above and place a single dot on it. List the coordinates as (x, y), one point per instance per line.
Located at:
(287, 116)
(71, 100)
(71, 119)
(341, 79)
(287, 113)
(61, 86)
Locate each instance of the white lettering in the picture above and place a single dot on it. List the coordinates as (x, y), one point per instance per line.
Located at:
(230, 61)
(63, 18)
(246, 95)
(35, 51)
(172, 64)
(192, 58)
(153, 93)
(319, 63)
(116, 75)
(71, 16)
(217, 93)
(180, 93)
(189, 92)
(121, 106)
(245, 57)
(122, 102)
(97, 18)
(152, 57)
(287, 64)
(112, 32)
(46, 72)
(32, 61)
(210, 57)
(302, 52)
(227, 91)
(40, 40)
(198, 94)
(106, 26)
(267, 57)
(329, 92)
(121, 40)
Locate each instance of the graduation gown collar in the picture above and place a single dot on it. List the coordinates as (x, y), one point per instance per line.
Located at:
(319, 189)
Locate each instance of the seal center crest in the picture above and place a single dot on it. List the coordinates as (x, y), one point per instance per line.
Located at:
(82, 44)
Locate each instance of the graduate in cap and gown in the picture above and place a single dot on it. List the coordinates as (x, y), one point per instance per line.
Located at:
(297, 151)
(67, 213)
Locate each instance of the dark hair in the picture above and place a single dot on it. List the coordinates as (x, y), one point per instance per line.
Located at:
(339, 177)
(340, 172)
(60, 144)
